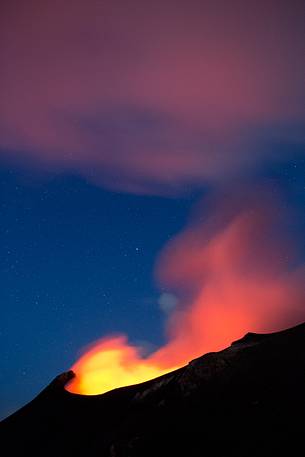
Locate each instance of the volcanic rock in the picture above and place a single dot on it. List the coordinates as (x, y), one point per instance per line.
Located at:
(245, 401)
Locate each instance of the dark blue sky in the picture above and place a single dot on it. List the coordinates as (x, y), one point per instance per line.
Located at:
(77, 262)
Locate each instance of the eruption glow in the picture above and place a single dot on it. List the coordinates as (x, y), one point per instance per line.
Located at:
(234, 273)
(112, 363)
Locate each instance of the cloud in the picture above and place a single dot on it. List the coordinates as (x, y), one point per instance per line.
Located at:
(150, 97)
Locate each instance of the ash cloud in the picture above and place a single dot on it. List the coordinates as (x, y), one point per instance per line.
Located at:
(236, 272)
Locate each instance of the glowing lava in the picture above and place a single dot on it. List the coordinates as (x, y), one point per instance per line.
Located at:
(109, 364)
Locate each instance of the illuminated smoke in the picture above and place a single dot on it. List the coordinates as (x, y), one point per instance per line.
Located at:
(233, 272)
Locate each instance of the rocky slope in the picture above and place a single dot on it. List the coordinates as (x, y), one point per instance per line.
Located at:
(245, 401)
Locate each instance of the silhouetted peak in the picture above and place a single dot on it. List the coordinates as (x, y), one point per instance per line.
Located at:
(251, 338)
(62, 379)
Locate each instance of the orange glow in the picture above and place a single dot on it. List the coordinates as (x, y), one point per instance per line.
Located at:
(233, 279)
(109, 364)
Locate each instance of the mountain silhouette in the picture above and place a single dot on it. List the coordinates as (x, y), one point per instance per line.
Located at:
(245, 401)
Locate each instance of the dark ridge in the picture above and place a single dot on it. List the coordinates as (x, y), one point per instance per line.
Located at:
(245, 401)
(251, 338)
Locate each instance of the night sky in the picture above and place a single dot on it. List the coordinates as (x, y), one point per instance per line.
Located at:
(121, 123)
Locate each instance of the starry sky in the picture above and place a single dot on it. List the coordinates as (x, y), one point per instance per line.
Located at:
(117, 119)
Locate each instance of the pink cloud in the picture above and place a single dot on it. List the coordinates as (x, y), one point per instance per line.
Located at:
(150, 95)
